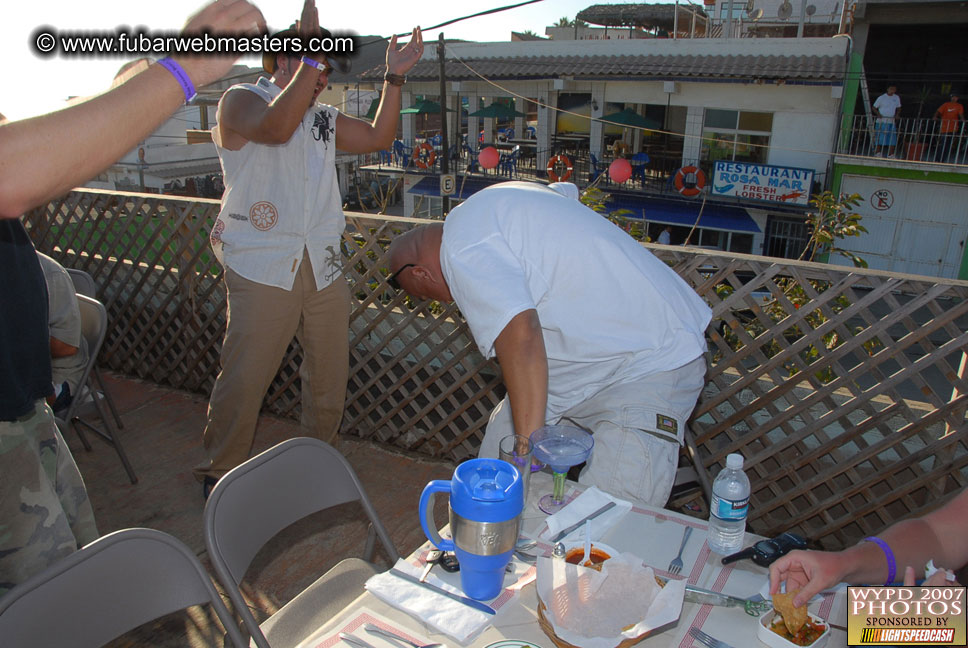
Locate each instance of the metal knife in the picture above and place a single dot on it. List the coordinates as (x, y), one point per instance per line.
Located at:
(477, 605)
(582, 521)
(355, 641)
(703, 596)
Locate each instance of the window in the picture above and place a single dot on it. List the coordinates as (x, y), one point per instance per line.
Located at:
(785, 237)
(736, 135)
(739, 9)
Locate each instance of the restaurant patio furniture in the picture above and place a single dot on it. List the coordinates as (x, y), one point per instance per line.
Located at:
(253, 502)
(114, 584)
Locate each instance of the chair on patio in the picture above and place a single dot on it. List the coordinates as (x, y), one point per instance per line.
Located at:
(597, 168)
(639, 160)
(84, 285)
(472, 165)
(386, 156)
(401, 153)
(115, 584)
(259, 498)
(94, 323)
(509, 162)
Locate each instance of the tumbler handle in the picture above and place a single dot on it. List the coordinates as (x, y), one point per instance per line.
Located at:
(427, 513)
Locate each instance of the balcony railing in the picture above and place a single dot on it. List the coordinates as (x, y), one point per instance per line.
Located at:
(916, 140)
(845, 389)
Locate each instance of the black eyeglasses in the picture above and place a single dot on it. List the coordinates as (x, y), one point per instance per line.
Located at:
(392, 279)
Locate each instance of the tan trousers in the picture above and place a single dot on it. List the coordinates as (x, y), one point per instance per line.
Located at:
(633, 457)
(261, 322)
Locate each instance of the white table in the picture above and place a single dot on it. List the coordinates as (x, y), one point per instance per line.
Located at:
(650, 533)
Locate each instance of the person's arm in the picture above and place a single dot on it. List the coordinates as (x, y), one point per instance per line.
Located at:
(38, 162)
(358, 136)
(244, 117)
(59, 349)
(524, 364)
(936, 536)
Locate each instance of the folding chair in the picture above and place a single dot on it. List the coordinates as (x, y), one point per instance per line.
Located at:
(113, 585)
(94, 322)
(259, 498)
(84, 285)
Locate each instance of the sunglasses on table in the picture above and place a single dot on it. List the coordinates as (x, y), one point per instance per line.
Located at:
(392, 279)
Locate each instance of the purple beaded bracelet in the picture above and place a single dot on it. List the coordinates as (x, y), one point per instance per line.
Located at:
(891, 563)
(181, 76)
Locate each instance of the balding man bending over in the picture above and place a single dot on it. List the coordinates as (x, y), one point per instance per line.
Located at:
(589, 327)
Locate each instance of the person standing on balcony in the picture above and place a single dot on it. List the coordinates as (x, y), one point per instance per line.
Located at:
(885, 132)
(950, 113)
(45, 513)
(665, 236)
(278, 236)
(592, 330)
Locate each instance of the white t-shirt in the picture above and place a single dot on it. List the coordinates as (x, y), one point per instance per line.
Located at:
(610, 311)
(887, 105)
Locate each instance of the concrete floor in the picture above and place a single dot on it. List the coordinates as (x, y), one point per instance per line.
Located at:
(162, 436)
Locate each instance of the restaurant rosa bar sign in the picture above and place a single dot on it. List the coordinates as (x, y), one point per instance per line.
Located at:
(787, 185)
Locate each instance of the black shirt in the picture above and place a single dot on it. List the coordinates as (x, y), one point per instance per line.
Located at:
(24, 335)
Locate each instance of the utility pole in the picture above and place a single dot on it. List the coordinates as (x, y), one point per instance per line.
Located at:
(444, 139)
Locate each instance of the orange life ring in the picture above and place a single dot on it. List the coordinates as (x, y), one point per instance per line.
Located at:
(419, 160)
(554, 162)
(690, 190)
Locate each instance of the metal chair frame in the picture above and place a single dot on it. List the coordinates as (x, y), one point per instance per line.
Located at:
(111, 586)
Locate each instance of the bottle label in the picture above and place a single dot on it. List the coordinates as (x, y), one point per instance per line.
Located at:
(727, 509)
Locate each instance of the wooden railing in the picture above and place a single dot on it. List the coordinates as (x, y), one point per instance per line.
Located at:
(844, 389)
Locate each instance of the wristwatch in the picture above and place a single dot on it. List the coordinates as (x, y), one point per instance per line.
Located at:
(394, 79)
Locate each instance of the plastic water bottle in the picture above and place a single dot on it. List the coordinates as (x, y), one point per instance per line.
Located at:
(727, 511)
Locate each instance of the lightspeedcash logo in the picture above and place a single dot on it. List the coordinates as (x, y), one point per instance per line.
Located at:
(925, 616)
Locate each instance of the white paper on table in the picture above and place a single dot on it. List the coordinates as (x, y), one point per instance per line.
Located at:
(442, 614)
(558, 578)
(584, 505)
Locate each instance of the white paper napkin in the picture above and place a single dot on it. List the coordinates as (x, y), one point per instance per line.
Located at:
(442, 614)
(583, 505)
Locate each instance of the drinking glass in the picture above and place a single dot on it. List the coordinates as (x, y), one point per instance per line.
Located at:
(517, 450)
(561, 447)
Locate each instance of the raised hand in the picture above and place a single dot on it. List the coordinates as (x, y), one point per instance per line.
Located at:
(400, 61)
(308, 24)
(237, 17)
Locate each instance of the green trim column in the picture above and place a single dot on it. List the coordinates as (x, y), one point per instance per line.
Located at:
(851, 87)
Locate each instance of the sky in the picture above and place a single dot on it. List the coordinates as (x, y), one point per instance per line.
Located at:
(42, 84)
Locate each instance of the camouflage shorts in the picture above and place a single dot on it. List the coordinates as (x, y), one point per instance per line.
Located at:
(45, 513)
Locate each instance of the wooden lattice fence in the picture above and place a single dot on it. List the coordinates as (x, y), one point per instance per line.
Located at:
(844, 389)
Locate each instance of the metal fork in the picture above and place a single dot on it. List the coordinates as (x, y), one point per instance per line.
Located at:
(676, 565)
(707, 640)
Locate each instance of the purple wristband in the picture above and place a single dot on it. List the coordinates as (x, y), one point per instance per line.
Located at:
(891, 563)
(313, 63)
(181, 76)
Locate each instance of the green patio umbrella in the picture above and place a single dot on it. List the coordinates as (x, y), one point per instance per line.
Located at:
(497, 111)
(629, 117)
(423, 107)
(371, 113)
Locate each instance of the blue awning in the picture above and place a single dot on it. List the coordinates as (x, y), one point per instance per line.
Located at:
(430, 186)
(678, 212)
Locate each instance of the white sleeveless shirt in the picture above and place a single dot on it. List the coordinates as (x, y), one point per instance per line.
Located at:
(282, 199)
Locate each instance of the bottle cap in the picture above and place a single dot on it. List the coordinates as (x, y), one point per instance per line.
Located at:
(734, 461)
